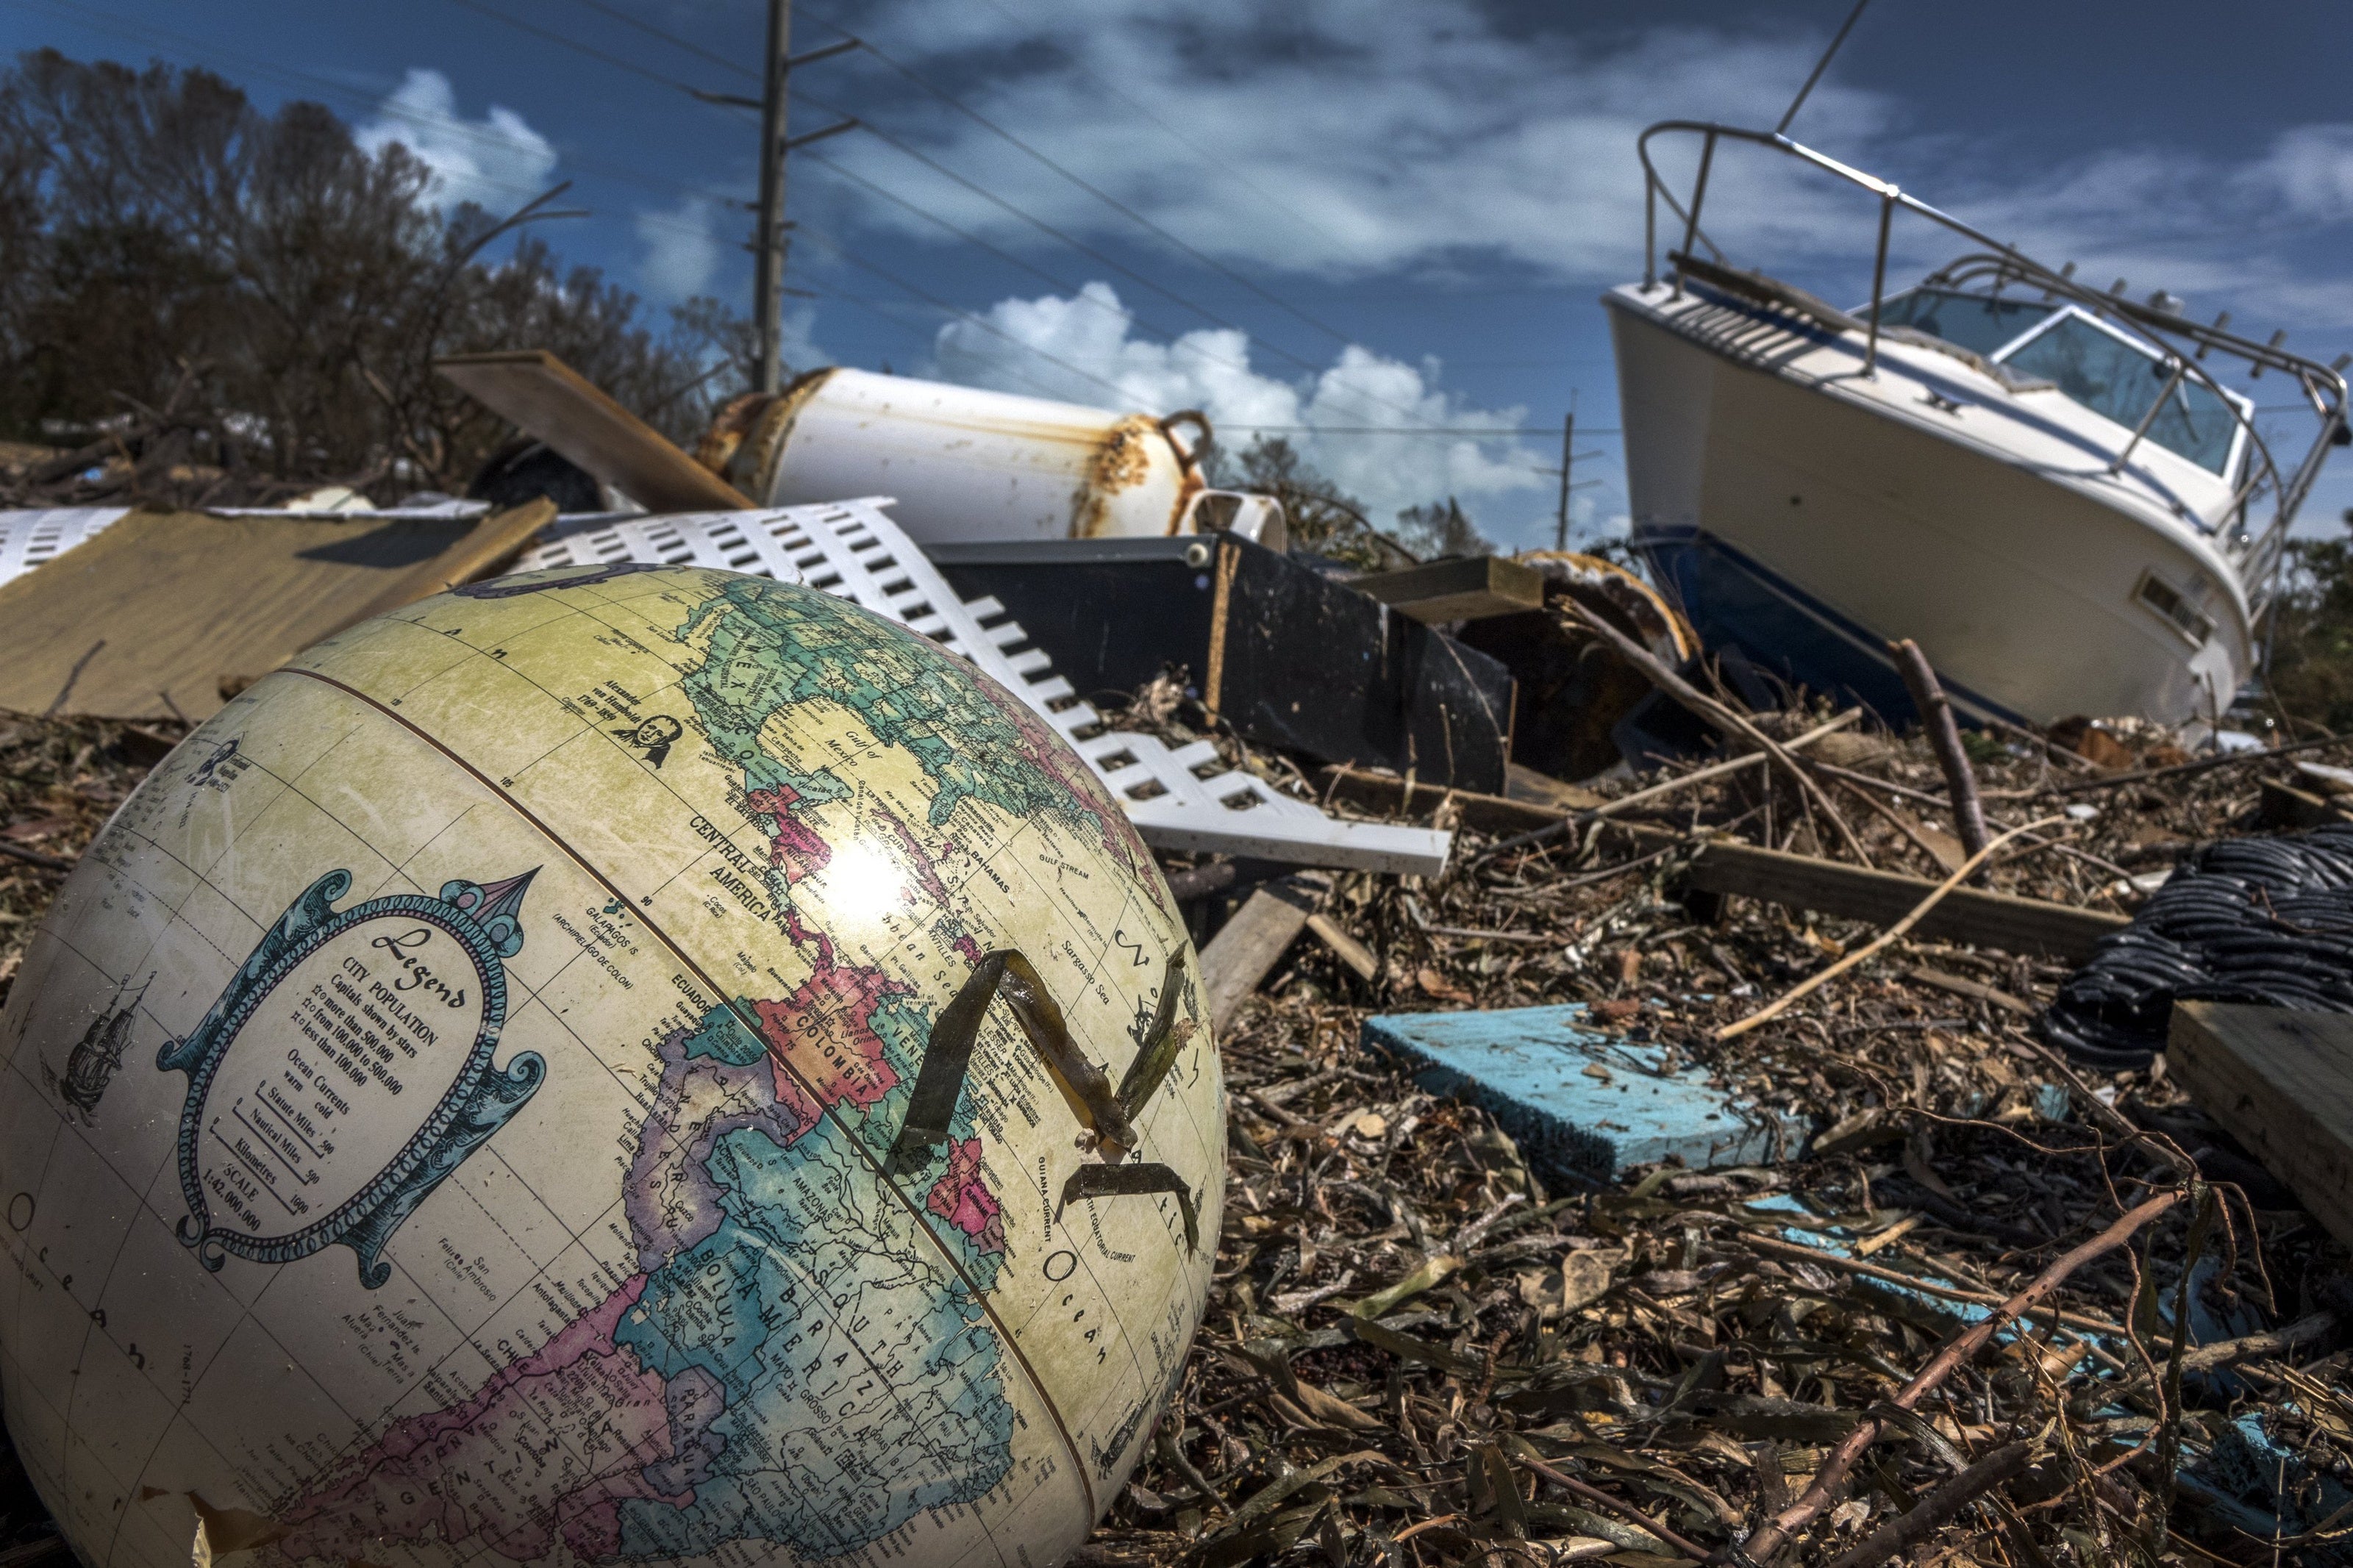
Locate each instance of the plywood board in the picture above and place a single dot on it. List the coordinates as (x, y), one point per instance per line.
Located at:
(547, 399)
(156, 616)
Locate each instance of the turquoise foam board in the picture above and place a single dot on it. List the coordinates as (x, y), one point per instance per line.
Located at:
(1527, 1068)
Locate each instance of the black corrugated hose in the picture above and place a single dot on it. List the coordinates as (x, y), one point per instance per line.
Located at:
(2263, 921)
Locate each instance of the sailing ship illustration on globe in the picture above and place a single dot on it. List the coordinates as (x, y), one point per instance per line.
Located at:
(91, 1065)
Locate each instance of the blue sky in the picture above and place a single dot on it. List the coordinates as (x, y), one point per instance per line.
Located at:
(1385, 223)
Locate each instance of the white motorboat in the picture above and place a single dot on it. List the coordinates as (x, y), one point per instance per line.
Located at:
(2047, 487)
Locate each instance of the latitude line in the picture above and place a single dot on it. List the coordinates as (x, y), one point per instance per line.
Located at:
(955, 1265)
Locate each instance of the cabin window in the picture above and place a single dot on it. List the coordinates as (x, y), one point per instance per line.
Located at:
(2110, 375)
(1978, 322)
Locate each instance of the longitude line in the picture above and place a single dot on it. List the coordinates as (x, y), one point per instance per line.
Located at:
(1046, 1399)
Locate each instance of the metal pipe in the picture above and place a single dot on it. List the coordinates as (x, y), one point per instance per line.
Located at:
(1650, 231)
(1879, 279)
(2180, 369)
(1699, 195)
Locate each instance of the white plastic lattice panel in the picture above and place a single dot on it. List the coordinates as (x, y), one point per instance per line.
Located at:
(1182, 798)
(30, 538)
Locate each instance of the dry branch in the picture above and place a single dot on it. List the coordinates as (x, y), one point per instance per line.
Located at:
(1831, 1478)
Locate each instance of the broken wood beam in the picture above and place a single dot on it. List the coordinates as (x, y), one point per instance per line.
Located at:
(1200, 881)
(1391, 796)
(1944, 737)
(1249, 946)
(1969, 915)
(1470, 589)
(547, 399)
(1343, 945)
(2281, 1082)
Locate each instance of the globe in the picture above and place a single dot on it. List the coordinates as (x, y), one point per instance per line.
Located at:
(606, 1066)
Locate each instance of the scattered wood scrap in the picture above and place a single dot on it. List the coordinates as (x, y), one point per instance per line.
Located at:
(165, 616)
(2282, 1083)
(1472, 588)
(544, 397)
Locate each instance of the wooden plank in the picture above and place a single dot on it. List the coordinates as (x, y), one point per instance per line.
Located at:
(167, 614)
(2281, 1082)
(495, 541)
(1533, 789)
(1581, 1102)
(1850, 892)
(1466, 590)
(2285, 806)
(1393, 796)
(1249, 945)
(1343, 945)
(547, 399)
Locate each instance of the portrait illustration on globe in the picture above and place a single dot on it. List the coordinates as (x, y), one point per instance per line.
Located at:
(624, 1066)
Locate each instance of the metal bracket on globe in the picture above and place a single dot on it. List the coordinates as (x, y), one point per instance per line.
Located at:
(851, 550)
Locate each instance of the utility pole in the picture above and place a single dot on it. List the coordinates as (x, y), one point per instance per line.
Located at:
(1567, 456)
(768, 265)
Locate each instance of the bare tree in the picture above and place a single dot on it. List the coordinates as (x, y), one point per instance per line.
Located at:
(258, 300)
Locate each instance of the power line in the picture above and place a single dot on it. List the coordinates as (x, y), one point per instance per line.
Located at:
(633, 68)
(478, 134)
(1410, 430)
(930, 163)
(1078, 294)
(1098, 193)
(1287, 209)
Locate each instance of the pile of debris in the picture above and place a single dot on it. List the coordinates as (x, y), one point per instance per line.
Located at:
(1924, 1289)
(1781, 1145)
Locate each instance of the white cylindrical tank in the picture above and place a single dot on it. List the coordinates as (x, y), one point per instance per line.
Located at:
(964, 464)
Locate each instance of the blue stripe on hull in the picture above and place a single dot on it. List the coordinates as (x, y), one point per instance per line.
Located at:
(1732, 599)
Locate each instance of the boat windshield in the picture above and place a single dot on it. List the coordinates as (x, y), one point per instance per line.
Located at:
(2106, 374)
(1978, 322)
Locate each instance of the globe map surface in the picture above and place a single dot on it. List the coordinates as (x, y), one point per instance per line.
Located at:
(465, 1107)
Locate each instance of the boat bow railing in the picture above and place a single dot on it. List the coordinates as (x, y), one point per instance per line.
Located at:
(2181, 346)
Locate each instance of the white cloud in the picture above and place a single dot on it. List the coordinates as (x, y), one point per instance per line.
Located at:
(1084, 349)
(1347, 139)
(683, 250)
(2311, 169)
(498, 162)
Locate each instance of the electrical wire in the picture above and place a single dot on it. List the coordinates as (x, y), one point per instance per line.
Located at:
(1287, 209)
(906, 149)
(883, 136)
(124, 27)
(1095, 191)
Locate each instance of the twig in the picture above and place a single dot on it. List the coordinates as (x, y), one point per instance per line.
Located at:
(33, 857)
(1668, 786)
(1831, 1478)
(1945, 736)
(1887, 814)
(1885, 938)
(1791, 1249)
(1937, 1508)
(1731, 725)
(1593, 1494)
(2229, 1352)
(2203, 764)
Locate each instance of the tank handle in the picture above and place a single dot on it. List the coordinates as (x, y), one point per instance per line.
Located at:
(1195, 417)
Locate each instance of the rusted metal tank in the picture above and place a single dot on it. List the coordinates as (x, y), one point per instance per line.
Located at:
(965, 464)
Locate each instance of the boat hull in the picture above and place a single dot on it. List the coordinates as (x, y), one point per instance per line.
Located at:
(1806, 519)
